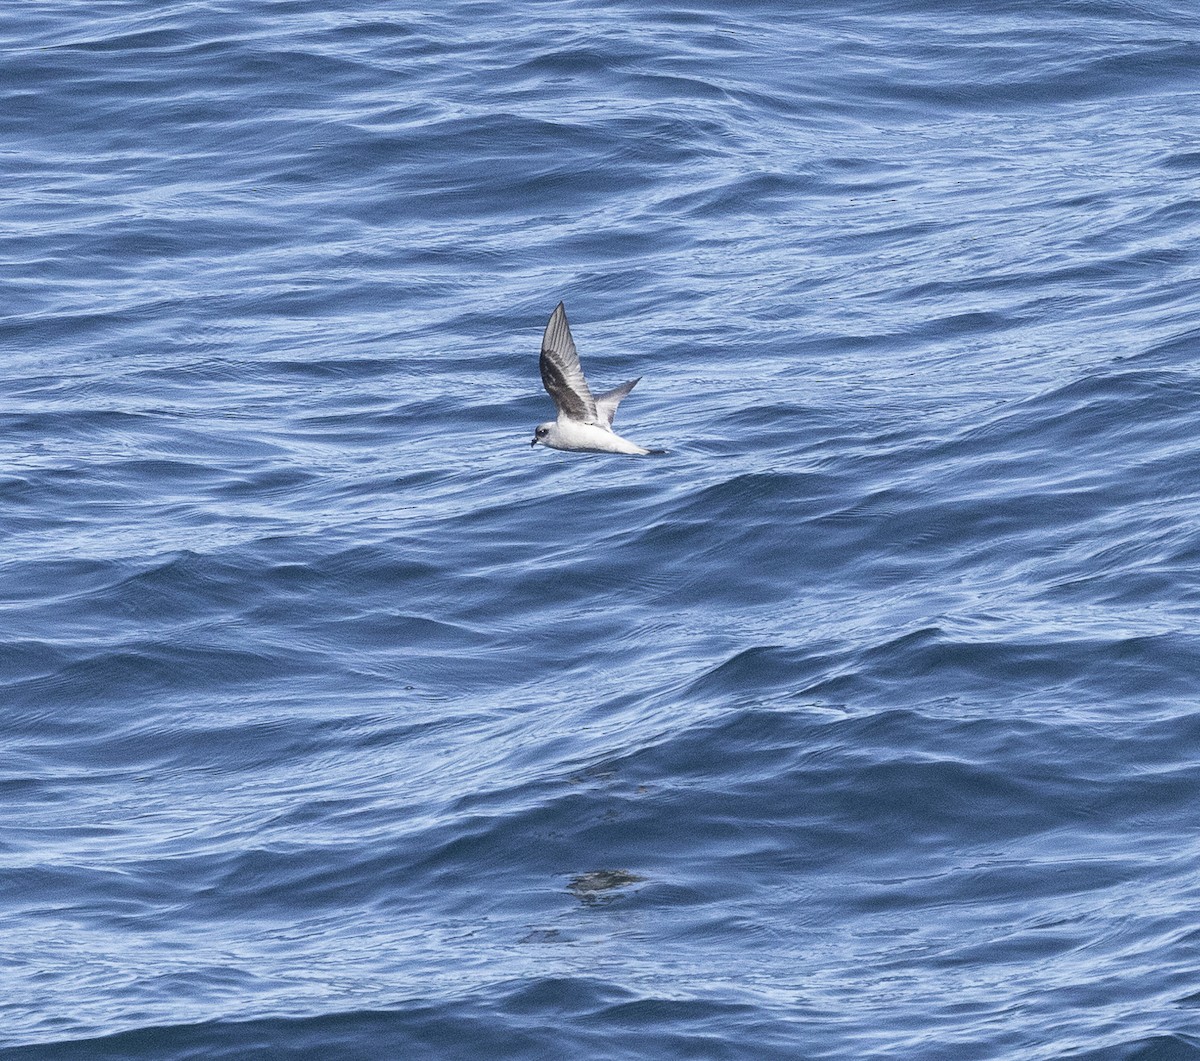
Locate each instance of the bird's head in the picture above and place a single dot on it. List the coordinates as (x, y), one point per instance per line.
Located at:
(542, 432)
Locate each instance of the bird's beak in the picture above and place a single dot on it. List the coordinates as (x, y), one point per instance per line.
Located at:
(534, 442)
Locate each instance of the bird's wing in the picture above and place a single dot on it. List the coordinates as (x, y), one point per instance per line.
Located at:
(562, 375)
(606, 403)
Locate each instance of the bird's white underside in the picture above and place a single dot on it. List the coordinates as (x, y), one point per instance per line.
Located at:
(574, 435)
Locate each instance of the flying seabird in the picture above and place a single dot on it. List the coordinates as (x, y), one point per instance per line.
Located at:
(584, 420)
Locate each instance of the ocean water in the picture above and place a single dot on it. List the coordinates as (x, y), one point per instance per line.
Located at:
(338, 722)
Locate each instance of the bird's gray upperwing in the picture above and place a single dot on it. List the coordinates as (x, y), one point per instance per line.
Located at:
(562, 375)
(606, 403)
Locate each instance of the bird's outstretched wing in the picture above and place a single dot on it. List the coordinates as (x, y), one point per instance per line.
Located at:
(562, 375)
(606, 403)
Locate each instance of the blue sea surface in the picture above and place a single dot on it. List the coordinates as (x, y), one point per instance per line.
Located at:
(338, 722)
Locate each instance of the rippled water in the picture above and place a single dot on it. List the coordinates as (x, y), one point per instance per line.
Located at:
(339, 722)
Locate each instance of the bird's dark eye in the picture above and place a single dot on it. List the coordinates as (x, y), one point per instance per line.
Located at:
(542, 432)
